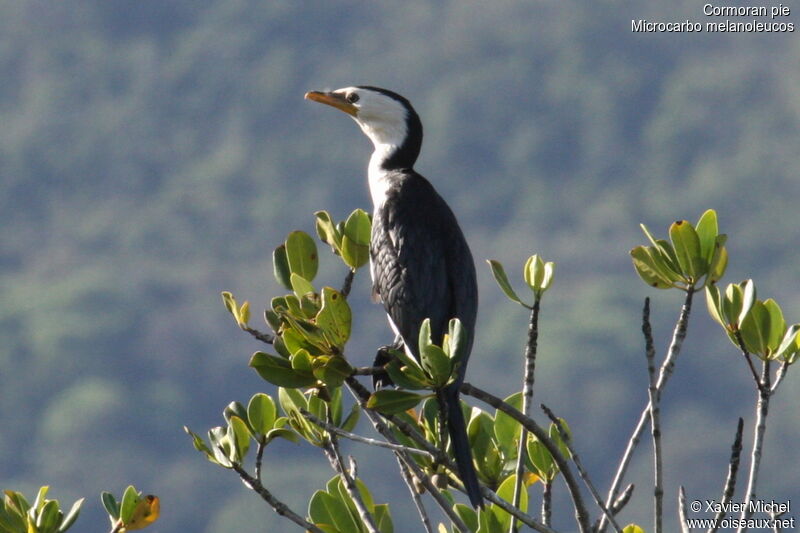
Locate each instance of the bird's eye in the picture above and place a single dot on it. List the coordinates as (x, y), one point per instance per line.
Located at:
(352, 98)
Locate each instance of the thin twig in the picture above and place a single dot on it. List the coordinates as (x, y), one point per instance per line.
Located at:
(730, 481)
(415, 496)
(581, 514)
(527, 397)
(547, 501)
(655, 423)
(278, 506)
(747, 358)
(762, 410)
(667, 367)
(335, 458)
(565, 437)
(259, 458)
(780, 375)
(621, 501)
(260, 335)
(368, 370)
(117, 527)
(682, 509)
(348, 283)
(358, 438)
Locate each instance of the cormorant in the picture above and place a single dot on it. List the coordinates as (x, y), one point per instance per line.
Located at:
(420, 263)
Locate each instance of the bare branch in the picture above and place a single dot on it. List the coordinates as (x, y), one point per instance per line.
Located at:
(620, 503)
(527, 397)
(667, 368)
(278, 506)
(747, 358)
(779, 377)
(655, 424)
(547, 501)
(415, 496)
(335, 458)
(730, 481)
(260, 335)
(348, 283)
(581, 515)
(682, 510)
(762, 410)
(259, 458)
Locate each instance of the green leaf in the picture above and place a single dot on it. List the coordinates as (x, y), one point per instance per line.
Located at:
(110, 502)
(301, 253)
(719, 260)
(407, 375)
(130, 498)
(436, 364)
(383, 518)
(533, 273)
(71, 516)
(339, 513)
(326, 231)
(278, 371)
(755, 329)
(748, 291)
(358, 227)
(506, 492)
(457, 339)
(650, 268)
(49, 516)
(499, 273)
(468, 515)
(506, 430)
(714, 305)
(707, 231)
(540, 458)
(687, 248)
(318, 510)
(240, 437)
(790, 345)
(389, 401)
(280, 266)
(331, 370)
(300, 285)
(334, 317)
(777, 325)
(262, 413)
(351, 420)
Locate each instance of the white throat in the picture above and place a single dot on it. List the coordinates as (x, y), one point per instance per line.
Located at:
(377, 175)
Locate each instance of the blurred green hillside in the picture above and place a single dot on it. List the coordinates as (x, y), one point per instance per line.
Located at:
(153, 153)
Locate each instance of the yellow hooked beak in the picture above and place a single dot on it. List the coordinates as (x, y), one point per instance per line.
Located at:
(332, 99)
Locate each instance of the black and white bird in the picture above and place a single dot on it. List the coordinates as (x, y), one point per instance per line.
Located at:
(420, 263)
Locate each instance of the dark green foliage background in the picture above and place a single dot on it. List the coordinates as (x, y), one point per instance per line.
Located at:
(153, 153)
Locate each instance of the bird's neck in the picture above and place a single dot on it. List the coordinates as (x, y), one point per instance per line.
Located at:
(378, 173)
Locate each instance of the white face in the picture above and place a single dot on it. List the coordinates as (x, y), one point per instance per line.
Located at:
(381, 118)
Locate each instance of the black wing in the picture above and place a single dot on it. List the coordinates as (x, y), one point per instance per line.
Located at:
(421, 264)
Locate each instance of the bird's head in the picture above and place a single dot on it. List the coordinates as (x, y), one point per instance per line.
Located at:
(385, 117)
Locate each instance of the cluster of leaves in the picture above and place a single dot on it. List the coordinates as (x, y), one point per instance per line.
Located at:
(44, 516)
(537, 273)
(752, 324)
(695, 256)
(133, 511)
(348, 239)
(228, 445)
(435, 369)
(311, 327)
(333, 509)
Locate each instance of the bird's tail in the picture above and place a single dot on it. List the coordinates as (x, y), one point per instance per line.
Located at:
(457, 428)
